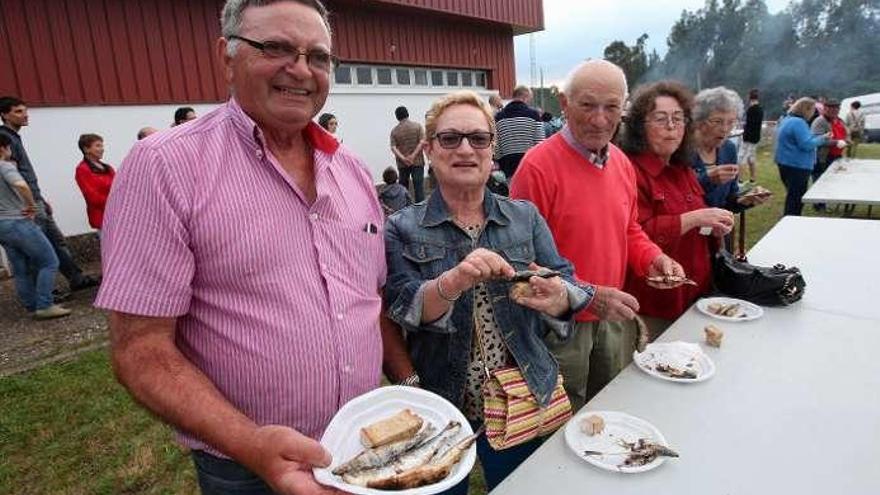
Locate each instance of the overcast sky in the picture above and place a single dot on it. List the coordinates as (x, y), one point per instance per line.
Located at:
(576, 30)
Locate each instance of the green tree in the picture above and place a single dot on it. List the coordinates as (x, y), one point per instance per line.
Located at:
(632, 59)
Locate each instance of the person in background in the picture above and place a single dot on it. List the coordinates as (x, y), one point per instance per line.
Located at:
(33, 260)
(796, 153)
(519, 128)
(183, 115)
(828, 122)
(671, 207)
(748, 152)
(715, 113)
(407, 141)
(855, 123)
(146, 131)
(14, 113)
(329, 122)
(392, 195)
(448, 261)
(94, 178)
(585, 188)
(496, 103)
(244, 263)
(548, 124)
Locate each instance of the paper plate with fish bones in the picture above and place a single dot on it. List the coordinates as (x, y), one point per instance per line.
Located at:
(429, 457)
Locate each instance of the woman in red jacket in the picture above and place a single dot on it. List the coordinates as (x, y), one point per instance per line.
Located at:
(94, 177)
(671, 207)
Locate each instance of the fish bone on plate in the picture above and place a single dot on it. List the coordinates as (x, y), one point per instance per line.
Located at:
(439, 418)
(618, 428)
(681, 362)
(729, 309)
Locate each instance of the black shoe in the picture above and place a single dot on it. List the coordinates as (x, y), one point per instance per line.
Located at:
(60, 296)
(85, 282)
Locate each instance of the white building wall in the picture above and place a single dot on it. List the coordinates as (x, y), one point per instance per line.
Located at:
(365, 121)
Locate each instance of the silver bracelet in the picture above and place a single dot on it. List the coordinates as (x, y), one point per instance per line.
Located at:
(442, 293)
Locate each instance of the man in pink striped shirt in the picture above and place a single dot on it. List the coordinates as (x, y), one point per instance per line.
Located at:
(243, 260)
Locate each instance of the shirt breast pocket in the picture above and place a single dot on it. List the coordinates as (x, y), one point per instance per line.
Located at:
(352, 256)
(428, 258)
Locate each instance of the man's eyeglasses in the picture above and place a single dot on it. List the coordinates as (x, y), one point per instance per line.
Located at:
(316, 59)
(451, 140)
(664, 119)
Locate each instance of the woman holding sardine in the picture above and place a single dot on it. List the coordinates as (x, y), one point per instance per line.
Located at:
(452, 261)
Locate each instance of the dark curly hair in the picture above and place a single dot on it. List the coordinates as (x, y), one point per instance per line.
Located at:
(643, 103)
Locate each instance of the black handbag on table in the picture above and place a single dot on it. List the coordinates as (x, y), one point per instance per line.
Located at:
(774, 286)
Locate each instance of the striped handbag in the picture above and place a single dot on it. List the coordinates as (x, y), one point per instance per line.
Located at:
(511, 413)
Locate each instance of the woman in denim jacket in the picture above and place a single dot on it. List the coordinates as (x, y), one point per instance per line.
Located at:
(450, 259)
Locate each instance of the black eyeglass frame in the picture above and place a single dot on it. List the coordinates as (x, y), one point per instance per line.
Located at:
(277, 49)
(462, 135)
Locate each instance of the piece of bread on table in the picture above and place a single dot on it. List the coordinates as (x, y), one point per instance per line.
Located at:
(398, 427)
(713, 335)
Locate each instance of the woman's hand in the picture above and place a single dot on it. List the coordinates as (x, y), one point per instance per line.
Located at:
(478, 266)
(718, 219)
(548, 295)
(721, 174)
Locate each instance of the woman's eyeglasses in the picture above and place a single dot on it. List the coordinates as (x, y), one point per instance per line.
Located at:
(451, 140)
(664, 119)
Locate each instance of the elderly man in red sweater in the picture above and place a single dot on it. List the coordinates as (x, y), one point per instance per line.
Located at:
(585, 188)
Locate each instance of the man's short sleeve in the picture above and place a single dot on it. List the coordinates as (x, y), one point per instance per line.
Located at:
(9, 173)
(147, 262)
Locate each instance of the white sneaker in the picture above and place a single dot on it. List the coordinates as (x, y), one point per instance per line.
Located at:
(53, 311)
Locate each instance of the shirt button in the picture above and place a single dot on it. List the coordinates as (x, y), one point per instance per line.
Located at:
(346, 368)
(259, 153)
(689, 198)
(339, 316)
(313, 217)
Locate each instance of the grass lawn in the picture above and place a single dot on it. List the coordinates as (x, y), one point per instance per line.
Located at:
(70, 428)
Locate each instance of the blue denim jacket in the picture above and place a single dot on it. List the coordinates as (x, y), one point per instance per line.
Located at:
(422, 241)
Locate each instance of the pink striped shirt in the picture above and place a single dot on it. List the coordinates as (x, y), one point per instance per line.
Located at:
(277, 300)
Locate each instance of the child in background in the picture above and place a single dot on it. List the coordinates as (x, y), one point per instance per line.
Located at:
(392, 195)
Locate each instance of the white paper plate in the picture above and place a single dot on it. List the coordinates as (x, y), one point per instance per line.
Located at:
(747, 310)
(342, 437)
(618, 426)
(682, 355)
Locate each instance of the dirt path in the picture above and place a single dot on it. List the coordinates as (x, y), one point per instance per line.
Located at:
(26, 343)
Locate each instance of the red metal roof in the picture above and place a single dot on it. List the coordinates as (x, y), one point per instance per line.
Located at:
(94, 52)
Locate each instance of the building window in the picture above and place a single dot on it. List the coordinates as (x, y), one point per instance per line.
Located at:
(481, 79)
(342, 74)
(364, 75)
(383, 76)
(467, 79)
(436, 78)
(421, 77)
(452, 78)
(403, 77)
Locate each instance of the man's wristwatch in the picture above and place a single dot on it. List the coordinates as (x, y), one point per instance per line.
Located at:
(410, 381)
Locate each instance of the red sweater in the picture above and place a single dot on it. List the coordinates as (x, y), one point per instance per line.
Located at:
(665, 192)
(95, 187)
(592, 212)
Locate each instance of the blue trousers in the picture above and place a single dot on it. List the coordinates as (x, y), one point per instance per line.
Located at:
(218, 476)
(795, 180)
(33, 261)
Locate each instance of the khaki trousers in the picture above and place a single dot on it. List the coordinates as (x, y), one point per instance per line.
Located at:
(597, 352)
